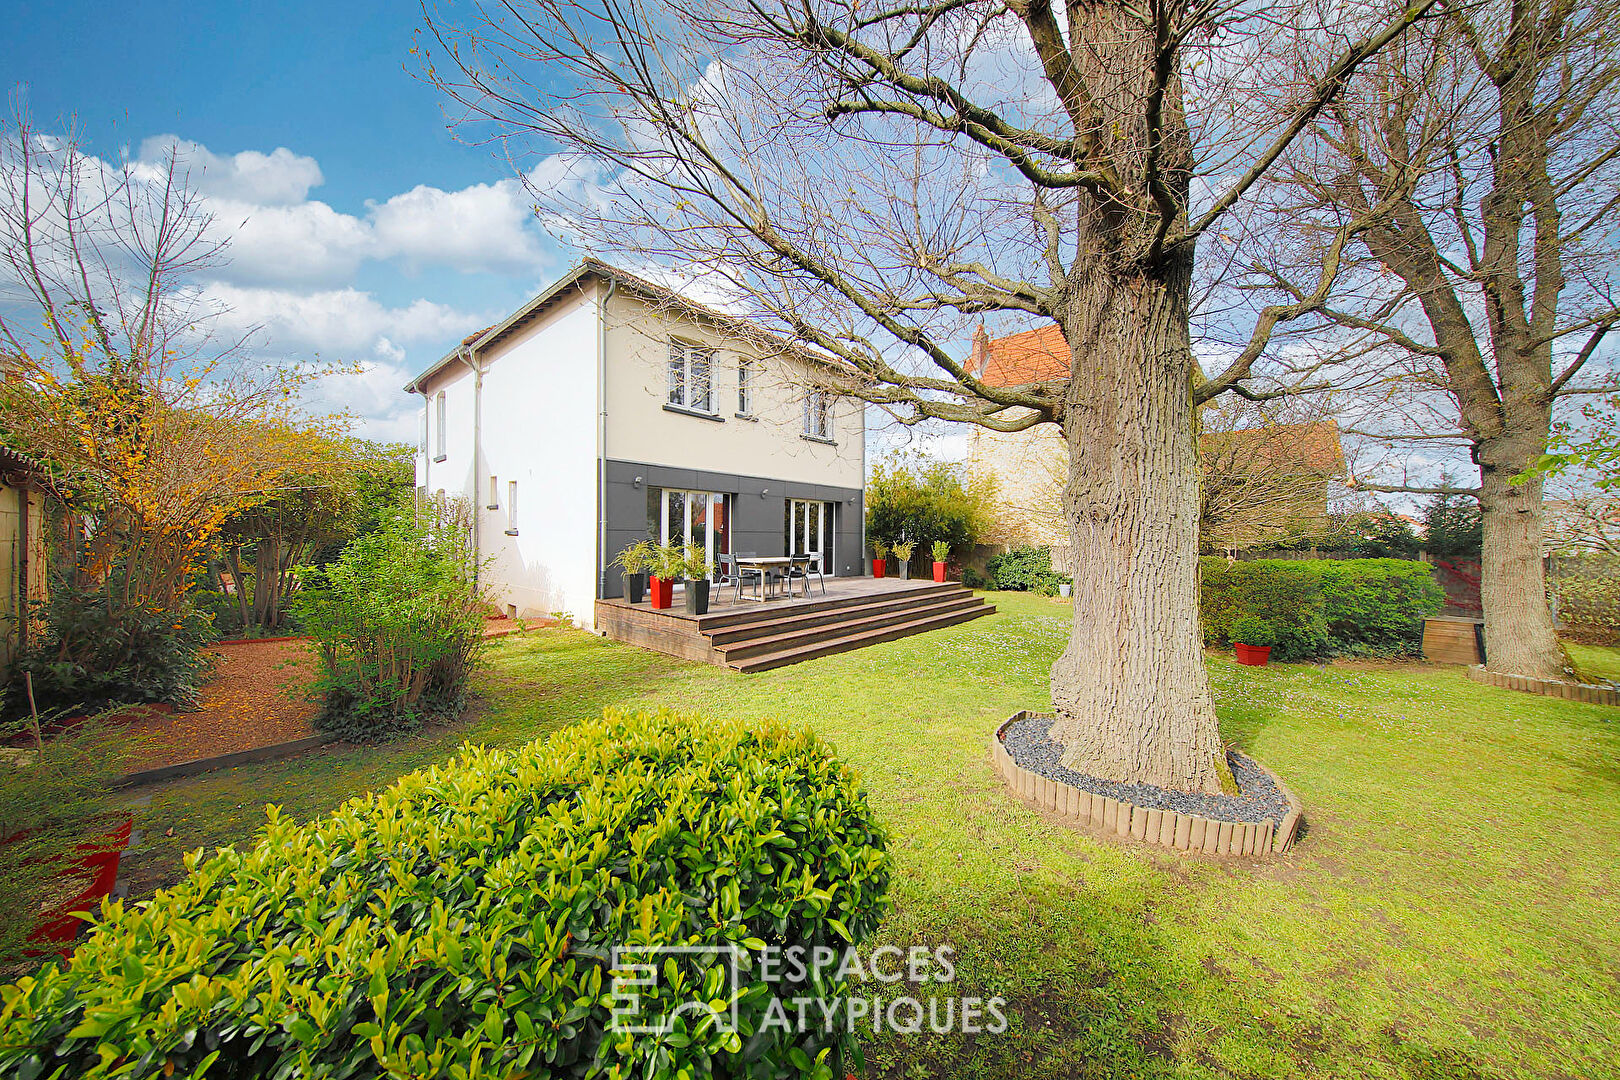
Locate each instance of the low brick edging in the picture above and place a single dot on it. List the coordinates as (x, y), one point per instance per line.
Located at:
(223, 761)
(1166, 828)
(1584, 692)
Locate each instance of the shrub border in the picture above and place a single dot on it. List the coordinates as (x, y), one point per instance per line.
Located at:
(1171, 829)
(1569, 691)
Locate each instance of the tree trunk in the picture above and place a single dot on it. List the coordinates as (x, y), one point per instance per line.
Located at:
(1131, 694)
(1519, 635)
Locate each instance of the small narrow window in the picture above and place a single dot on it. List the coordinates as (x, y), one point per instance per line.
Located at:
(677, 373)
(701, 393)
(818, 414)
(422, 436)
(438, 418)
(494, 493)
(511, 508)
(745, 386)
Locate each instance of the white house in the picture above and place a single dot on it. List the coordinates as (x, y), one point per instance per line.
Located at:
(609, 409)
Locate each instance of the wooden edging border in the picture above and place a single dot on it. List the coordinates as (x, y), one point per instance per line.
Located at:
(1164, 828)
(224, 761)
(1569, 691)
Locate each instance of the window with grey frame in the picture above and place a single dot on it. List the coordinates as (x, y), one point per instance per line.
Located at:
(745, 386)
(818, 422)
(690, 376)
(439, 451)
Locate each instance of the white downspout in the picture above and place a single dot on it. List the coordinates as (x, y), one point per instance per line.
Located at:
(465, 355)
(601, 438)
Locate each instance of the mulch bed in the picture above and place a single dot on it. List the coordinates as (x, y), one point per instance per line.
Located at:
(1031, 746)
(255, 698)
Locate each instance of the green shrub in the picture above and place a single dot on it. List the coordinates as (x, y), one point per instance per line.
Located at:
(912, 497)
(398, 624)
(1321, 607)
(1589, 602)
(1249, 630)
(1025, 569)
(97, 651)
(460, 923)
(973, 579)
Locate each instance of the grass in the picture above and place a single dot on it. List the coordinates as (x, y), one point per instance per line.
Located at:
(1595, 661)
(1450, 911)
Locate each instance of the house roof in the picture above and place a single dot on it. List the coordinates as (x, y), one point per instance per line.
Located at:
(1311, 448)
(623, 279)
(15, 465)
(1031, 356)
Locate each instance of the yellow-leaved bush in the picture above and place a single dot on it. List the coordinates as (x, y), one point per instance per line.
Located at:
(462, 922)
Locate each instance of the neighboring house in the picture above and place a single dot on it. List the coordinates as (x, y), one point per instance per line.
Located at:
(610, 409)
(1260, 481)
(22, 552)
(1582, 524)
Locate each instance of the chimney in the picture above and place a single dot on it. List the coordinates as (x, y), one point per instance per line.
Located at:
(981, 353)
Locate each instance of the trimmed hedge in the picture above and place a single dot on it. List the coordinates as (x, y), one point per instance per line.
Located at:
(460, 923)
(1322, 607)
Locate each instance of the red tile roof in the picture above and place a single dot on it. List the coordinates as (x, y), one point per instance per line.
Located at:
(1032, 356)
(1311, 448)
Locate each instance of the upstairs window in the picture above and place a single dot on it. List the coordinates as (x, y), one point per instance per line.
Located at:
(690, 385)
(438, 420)
(818, 422)
(745, 386)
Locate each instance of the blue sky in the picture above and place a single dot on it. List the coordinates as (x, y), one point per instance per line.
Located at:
(364, 230)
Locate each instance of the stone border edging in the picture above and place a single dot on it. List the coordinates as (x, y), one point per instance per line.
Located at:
(1166, 828)
(1584, 692)
(223, 761)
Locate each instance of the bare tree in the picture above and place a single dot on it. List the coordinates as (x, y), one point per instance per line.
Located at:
(864, 178)
(1267, 475)
(1481, 154)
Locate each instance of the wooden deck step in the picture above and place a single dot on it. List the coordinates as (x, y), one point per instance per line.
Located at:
(856, 621)
(782, 621)
(745, 613)
(889, 632)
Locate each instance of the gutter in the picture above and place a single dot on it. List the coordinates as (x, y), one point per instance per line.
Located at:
(601, 438)
(465, 355)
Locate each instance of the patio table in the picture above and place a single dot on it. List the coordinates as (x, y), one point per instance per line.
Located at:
(768, 563)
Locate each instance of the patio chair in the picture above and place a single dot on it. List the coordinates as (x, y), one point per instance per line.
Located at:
(738, 575)
(812, 566)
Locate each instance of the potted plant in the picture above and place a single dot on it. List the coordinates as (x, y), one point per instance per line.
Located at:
(1252, 639)
(668, 564)
(902, 555)
(942, 551)
(635, 561)
(880, 558)
(695, 568)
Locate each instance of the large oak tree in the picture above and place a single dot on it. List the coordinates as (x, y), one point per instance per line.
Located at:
(865, 176)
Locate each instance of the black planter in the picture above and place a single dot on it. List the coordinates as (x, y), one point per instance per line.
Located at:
(697, 597)
(635, 587)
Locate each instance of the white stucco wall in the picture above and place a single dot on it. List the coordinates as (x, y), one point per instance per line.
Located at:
(641, 429)
(538, 427)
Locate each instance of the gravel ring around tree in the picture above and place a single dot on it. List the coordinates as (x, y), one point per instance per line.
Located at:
(1030, 744)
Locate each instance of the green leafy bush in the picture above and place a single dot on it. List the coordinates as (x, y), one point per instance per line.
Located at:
(1248, 630)
(97, 651)
(1321, 607)
(916, 498)
(462, 922)
(398, 624)
(973, 579)
(1025, 569)
(1589, 602)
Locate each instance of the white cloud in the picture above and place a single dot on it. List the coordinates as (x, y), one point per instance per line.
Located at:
(482, 227)
(278, 178)
(340, 324)
(307, 243)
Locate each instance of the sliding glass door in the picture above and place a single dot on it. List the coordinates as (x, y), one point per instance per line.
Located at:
(698, 518)
(808, 528)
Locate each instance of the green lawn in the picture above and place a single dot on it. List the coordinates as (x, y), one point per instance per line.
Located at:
(1595, 661)
(1451, 910)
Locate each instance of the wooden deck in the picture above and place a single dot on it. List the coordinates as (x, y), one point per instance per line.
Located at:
(751, 636)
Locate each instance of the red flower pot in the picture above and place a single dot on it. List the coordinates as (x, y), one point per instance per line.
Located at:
(939, 571)
(1253, 655)
(663, 592)
(879, 567)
